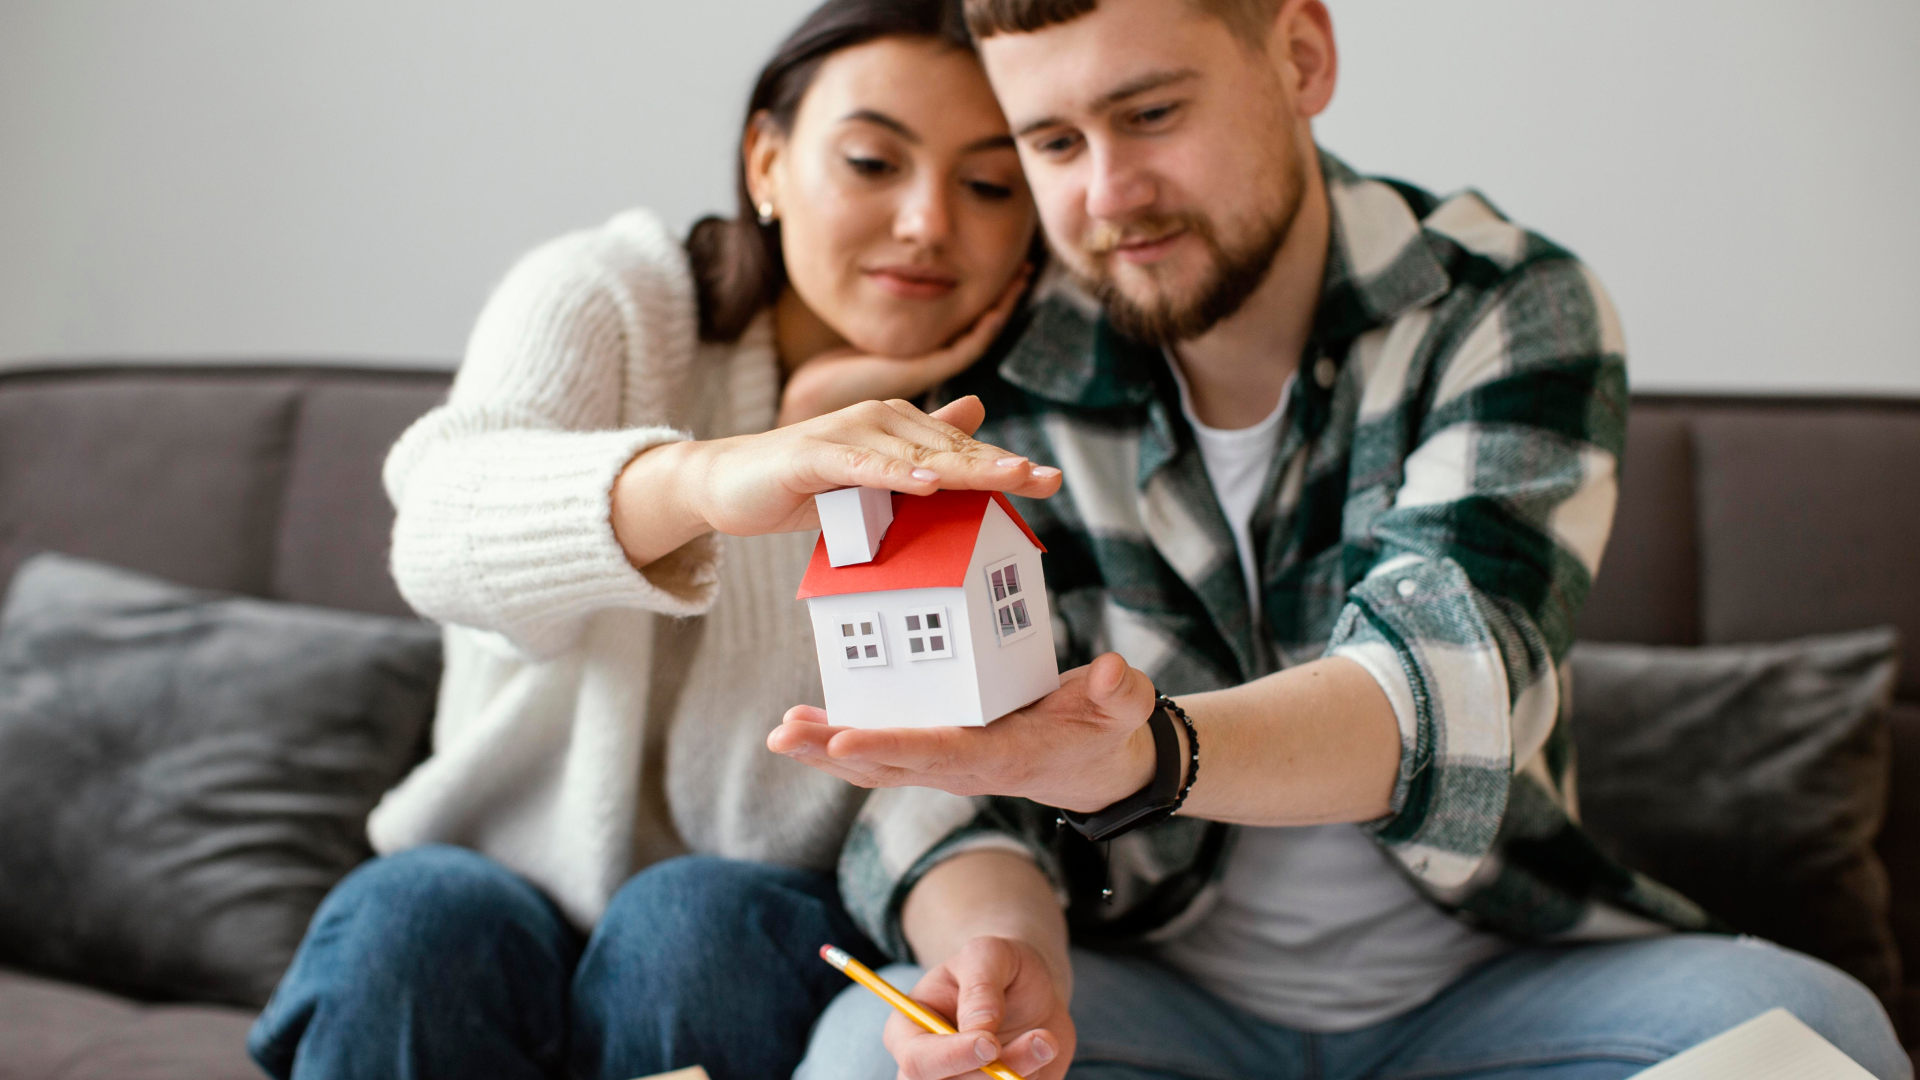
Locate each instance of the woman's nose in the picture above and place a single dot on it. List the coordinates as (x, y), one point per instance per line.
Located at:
(926, 216)
(1117, 189)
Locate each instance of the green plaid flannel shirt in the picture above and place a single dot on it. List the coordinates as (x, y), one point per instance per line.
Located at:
(1436, 512)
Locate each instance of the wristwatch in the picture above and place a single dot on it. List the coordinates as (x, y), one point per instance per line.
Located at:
(1163, 795)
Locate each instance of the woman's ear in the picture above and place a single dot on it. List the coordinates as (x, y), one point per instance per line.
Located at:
(760, 149)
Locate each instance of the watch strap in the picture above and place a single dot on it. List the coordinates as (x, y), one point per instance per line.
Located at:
(1160, 797)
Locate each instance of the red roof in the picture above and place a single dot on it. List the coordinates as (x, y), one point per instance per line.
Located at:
(928, 546)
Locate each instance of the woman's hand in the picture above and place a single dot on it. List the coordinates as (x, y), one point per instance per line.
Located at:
(845, 377)
(765, 483)
(1006, 1005)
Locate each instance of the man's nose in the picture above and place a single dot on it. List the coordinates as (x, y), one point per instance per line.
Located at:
(1118, 188)
(926, 215)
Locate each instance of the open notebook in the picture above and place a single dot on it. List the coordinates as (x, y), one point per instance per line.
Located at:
(1772, 1046)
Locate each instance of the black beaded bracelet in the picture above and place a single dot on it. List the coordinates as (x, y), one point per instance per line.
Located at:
(1193, 751)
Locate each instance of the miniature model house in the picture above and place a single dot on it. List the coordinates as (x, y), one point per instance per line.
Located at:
(927, 610)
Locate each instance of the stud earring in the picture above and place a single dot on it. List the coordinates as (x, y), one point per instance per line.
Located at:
(766, 212)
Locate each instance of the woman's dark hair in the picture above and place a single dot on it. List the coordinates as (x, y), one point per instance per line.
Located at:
(737, 266)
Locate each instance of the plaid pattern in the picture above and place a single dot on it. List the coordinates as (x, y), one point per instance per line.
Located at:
(1436, 512)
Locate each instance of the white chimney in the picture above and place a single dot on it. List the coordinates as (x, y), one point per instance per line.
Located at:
(854, 520)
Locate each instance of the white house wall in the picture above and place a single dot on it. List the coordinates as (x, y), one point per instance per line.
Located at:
(1026, 670)
(903, 692)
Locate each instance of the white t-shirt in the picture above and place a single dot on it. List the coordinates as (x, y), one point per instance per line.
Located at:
(1315, 928)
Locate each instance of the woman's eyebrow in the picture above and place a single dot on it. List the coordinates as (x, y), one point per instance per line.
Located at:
(871, 116)
(885, 121)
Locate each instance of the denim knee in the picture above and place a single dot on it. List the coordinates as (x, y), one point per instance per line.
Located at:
(432, 931)
(846, 1043)
(1703, 984)
(1827, 999)
(682, 914)
(709, 960)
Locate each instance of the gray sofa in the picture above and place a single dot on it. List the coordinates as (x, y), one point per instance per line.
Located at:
(1742, 520)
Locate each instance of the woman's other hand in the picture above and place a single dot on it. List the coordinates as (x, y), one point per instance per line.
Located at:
(1006, 1004)
(846, 377)
(765, 483)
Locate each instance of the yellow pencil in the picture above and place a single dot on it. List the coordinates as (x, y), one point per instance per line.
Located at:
(919, 1013)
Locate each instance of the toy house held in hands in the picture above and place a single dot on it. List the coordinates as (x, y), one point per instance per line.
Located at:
(927, 610)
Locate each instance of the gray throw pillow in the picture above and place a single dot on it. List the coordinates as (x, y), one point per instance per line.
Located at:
(183, 774)
(1752, 778)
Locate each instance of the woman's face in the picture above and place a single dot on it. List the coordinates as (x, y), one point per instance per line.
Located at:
(903, 211)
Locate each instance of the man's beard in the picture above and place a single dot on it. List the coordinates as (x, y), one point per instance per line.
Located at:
(1232, 275)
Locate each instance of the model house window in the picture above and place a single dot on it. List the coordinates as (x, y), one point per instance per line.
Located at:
(928, 634)
(1011, 619)
(861, 643)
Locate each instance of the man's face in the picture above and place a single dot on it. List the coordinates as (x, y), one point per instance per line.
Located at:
(1164, 155)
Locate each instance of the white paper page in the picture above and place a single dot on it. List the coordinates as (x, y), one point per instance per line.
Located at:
(1772, 1046)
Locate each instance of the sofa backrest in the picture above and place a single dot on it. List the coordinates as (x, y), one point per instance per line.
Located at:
(259, 480)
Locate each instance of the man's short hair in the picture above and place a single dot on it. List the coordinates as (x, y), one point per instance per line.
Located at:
(1248, 19)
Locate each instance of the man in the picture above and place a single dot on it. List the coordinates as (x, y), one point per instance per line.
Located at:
(1340, 464)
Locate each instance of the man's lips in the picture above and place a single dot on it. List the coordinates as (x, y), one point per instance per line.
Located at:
(1147, 249)
(912, 282)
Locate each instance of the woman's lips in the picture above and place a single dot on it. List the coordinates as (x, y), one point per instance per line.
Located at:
(913, 283)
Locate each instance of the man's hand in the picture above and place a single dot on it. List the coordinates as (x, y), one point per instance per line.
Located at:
(1004, 1001)
(1081, 748)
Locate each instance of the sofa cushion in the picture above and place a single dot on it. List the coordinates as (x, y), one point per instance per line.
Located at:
(1753, 779)
(183, 775)
(57, 1031)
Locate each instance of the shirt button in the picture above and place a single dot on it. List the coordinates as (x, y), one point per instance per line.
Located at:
(1407, 587)
(1323, 372)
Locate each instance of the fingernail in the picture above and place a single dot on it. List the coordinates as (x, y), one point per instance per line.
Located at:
(1042, 1050)
(1045, 472)
(984, 1050)
(925, 474)
(1010, 462)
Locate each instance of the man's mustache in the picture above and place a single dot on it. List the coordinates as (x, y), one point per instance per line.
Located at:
(1104, 237)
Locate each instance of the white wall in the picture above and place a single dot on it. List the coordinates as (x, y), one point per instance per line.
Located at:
(345, 179)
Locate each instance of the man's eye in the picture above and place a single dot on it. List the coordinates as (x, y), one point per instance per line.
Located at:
(867, 166)
(1057, 145)
(990, 192)
(1154, 115)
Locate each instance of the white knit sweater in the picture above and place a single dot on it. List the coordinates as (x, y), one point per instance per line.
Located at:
(594, 718)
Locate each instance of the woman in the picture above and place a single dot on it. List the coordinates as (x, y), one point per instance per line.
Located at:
(636, 435)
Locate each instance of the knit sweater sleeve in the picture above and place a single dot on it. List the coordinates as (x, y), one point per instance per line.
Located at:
(579, 361)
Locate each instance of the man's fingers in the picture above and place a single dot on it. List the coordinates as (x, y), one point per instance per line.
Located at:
(983, 970)
(1031, 1052)
(925, 1056)
(917, 750)
(1117, 688)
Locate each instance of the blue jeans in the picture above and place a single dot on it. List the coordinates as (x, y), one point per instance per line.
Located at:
(439, 962)
(1580, 1012)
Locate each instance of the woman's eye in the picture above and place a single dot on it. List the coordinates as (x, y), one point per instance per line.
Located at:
(989, 191)
(867, 166)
